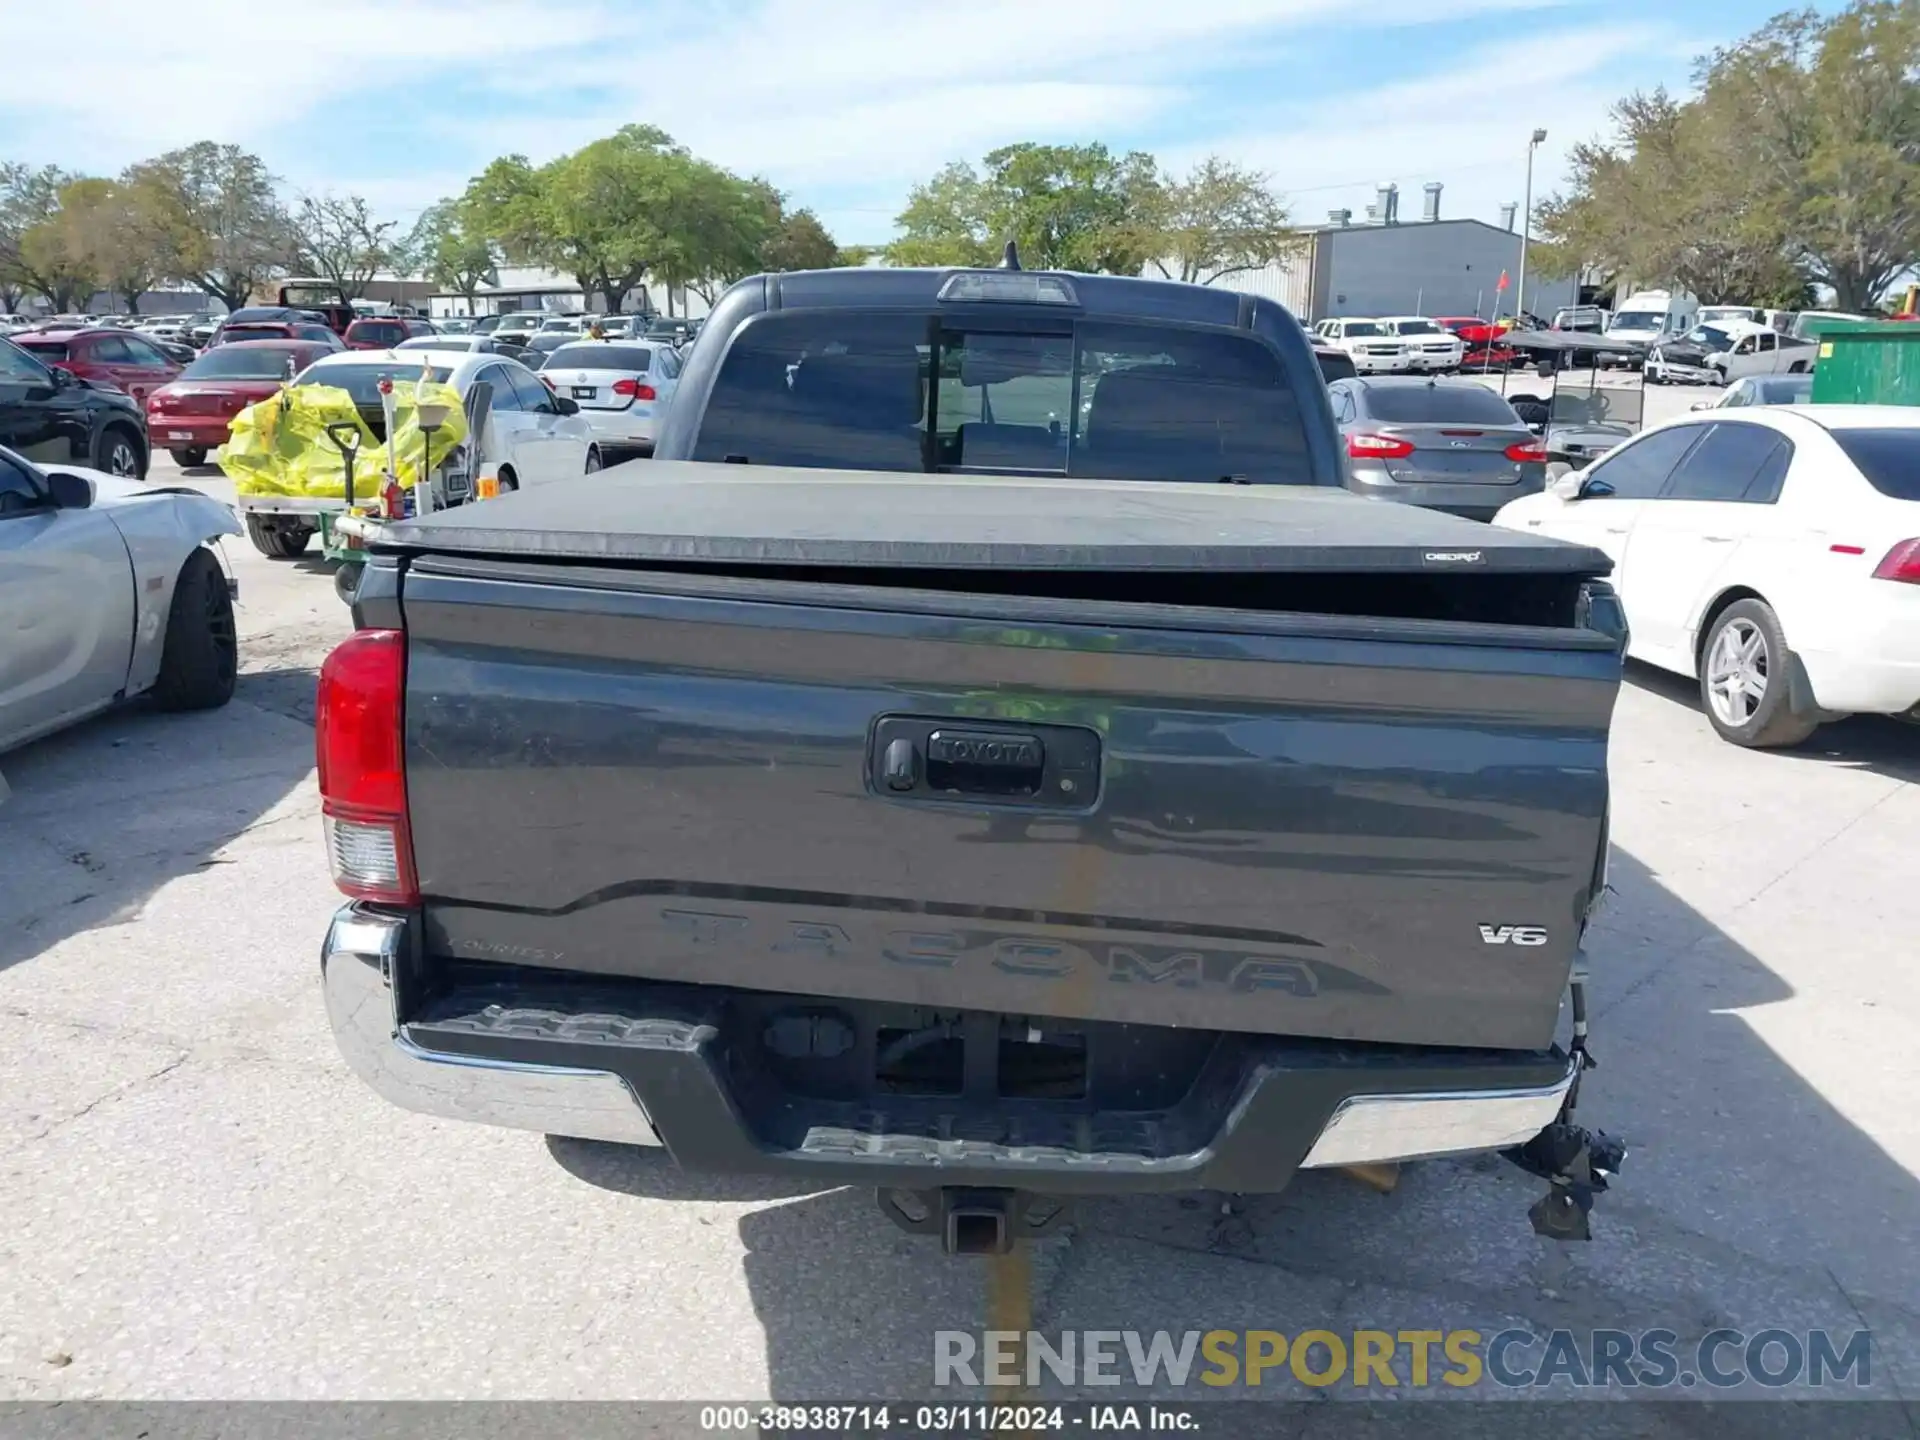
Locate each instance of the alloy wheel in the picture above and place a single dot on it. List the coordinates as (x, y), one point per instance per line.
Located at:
(1737, 669)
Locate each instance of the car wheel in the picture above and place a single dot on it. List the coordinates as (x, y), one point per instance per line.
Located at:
(278, 539)
(346, 582)
(593, 459)
(120, 454)
(509, 482)
(200, 657)
(1743, 679)
(187, 459)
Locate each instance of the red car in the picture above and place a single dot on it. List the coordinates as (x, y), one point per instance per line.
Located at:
(113, 358)
(1482, 339)
(383, 332)
(190, 416)
(308, 330)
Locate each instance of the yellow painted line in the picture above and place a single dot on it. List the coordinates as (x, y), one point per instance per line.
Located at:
(1010, 1307)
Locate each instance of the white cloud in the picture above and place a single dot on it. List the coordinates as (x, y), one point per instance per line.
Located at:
(1467, 128)
(846, 103)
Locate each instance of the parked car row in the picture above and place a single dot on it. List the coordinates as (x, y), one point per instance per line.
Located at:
(1394, 344)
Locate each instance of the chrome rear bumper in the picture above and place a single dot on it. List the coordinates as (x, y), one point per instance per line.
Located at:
(362, 948)
(355, 965)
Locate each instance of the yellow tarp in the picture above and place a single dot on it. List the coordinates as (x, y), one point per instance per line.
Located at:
(281, 446)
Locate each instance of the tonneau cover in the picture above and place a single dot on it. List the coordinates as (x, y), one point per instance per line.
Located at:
(684, 513)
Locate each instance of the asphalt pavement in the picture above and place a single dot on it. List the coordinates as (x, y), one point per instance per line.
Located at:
(197, 1200)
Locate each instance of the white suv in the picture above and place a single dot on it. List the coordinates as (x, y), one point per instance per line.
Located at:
(1373, 348)
(1430, 345)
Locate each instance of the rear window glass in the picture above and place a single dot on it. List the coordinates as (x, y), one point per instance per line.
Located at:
(633, 359)
(1115, 400)
(257, 312)
(230, 333)
(1890, 459)
(383, 331)
(45, 349)
(242, 362)
(1438, 405)
(362, 382)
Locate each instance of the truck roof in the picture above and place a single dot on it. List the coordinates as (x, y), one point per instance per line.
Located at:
(883, 287)
(681, 513)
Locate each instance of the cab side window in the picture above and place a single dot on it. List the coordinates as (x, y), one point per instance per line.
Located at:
(1639, 471)
(1728, 462)
(534, 396)
(107, 350)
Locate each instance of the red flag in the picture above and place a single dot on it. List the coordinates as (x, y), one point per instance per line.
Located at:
(1501, 283)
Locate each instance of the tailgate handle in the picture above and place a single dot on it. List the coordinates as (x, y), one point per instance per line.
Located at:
(985, 762)
(936, 759)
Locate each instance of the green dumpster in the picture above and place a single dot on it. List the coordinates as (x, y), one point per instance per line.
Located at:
(1868, 363)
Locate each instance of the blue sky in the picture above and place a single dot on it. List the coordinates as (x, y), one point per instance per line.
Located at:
(846, 103)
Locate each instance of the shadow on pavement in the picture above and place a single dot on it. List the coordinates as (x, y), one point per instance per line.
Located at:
(1877, 743)
(103, 815)
(289, 690)
(1747, 1201)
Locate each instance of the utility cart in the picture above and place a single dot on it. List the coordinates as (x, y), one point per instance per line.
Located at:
(349, 531)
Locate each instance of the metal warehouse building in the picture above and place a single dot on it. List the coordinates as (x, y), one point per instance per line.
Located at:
(1385, 266)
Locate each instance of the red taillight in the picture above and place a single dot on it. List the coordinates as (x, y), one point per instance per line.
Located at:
(634, 390)
(1527, 452)
(1902, 563)
(358, 746)
(1378, 447)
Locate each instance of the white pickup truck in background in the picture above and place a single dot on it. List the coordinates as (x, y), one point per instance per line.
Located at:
(1731, 350)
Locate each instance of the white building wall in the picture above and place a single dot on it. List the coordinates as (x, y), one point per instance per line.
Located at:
(1290, 282)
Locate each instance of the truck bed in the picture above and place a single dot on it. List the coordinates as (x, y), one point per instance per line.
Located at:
(678, 513)
(1333, 769)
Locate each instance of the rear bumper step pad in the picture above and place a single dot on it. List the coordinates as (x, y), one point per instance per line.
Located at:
(556, 1059)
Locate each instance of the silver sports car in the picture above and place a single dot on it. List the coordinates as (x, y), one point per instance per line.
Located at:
(109, 588)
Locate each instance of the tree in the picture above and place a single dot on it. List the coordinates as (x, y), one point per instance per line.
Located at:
(1798, 160)
(37, 253)
(218, 218)
(1669, 201)
(113, 236)
(451, 250)
(800, 243)
(1068, 207)
(1825, 113)
(609, 213)
(340, 241)
(1215, 221)
(718, 229)
(946, 222)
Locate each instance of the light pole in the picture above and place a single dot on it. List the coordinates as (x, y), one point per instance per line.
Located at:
(1526, 227)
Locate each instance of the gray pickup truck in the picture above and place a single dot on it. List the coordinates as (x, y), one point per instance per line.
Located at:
(987, 756)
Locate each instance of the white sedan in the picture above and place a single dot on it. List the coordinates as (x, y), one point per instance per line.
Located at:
(1770, 552)
(622, 387)
(533, 435)
(109, 588)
